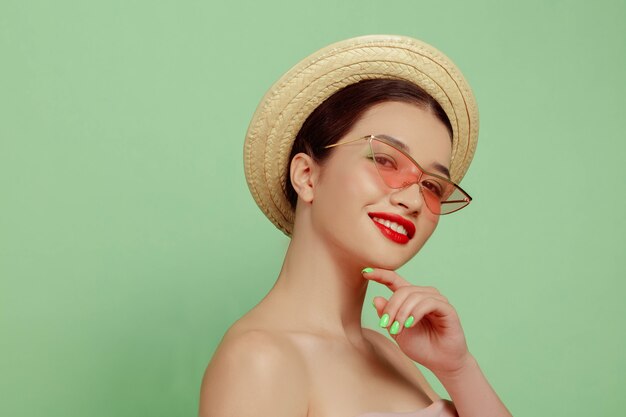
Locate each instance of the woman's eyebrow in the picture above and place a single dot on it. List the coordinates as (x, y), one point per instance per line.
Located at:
(442, 169)
(397, 143)
(401, 145)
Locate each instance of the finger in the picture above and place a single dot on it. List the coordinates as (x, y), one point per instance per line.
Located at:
(386, 277)
(430, 290)
(440, 312)
(401, 305)
(379, 304)
(407, 313)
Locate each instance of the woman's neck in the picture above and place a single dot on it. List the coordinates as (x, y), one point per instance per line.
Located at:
(319, 289)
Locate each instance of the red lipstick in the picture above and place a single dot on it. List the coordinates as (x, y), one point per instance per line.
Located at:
(391, 234)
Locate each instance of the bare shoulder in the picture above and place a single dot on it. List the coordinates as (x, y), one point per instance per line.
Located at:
(254, 372)
(403, 364)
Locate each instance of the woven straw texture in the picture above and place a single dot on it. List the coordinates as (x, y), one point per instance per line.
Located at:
(288, 103)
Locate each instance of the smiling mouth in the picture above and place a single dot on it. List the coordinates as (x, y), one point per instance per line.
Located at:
(393, 226)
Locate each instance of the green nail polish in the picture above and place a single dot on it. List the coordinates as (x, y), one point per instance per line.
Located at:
(409, 321)
(384, 320)
(395, 327)
(367, 270)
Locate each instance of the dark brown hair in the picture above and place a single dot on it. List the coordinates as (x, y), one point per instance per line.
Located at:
(334, 118)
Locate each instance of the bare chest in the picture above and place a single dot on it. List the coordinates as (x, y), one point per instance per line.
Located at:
(345, 383)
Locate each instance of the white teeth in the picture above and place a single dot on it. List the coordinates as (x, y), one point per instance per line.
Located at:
(392, 225)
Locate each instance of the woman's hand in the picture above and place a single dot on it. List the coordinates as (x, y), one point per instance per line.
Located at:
(434, 337)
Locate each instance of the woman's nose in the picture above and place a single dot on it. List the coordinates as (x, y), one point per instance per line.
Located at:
(410, 198)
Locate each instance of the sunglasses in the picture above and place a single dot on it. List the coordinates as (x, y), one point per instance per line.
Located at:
(398, 170)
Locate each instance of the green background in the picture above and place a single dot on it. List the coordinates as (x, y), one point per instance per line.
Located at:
(129, 242)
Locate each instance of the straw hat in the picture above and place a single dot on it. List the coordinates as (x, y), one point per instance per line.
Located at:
(288, 103)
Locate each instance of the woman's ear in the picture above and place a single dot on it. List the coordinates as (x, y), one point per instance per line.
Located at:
(303, 172)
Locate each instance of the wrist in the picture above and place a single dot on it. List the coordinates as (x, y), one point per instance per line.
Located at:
(467, 367)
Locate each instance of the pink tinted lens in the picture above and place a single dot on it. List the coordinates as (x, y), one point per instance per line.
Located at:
(398, 171)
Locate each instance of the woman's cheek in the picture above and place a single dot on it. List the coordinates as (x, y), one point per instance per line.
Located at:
(426, 225)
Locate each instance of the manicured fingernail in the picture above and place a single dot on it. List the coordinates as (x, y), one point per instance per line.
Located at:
(367, 270)
(384, 320)
(395, 327)
(409, 321)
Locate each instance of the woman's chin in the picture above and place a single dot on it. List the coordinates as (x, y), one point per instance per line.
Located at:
(387, 259)
(391, 265)
(371, 250)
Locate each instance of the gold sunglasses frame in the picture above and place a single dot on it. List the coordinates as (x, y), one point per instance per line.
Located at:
(369, 139)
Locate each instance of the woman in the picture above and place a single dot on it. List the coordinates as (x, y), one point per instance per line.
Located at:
(355, 153)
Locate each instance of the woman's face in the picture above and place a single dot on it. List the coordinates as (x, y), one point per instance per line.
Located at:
(350, 190)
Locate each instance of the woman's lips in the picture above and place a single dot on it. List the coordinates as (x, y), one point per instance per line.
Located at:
(400, 223)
